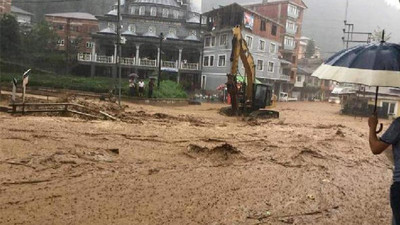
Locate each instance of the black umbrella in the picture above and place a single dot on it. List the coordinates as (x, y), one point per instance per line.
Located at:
(376, 64)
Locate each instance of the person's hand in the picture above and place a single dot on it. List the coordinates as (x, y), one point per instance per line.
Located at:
(373, 121)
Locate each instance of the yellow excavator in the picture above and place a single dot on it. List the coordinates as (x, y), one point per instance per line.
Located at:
(247, 98)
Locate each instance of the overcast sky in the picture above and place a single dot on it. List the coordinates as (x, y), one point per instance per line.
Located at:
(323, 20)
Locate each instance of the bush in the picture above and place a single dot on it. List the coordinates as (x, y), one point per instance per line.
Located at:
(169, 89)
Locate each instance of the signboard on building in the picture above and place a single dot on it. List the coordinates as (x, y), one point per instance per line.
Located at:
(248, 20)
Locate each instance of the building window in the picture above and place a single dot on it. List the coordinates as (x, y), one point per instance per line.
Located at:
(271, 67)
(260, 65)
(222, 60)
(153, 11)
(293, 10)
(289, 41)
(152, 30)
(223, 39)
(290, 25)
(249, 41)
(176, 14)
(209, 41)
(263, 25)
(172, 31)
(142, 10)
(111, 26)
(132, 10)
(208, 60)
(60, 42)
(274, 29)
(261, 45)
(298, 78)
(392, 107)
(89, 44)
(272, 48)
(132, 28)
(165, 12)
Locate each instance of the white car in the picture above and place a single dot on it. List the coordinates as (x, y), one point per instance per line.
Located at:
(334, 99)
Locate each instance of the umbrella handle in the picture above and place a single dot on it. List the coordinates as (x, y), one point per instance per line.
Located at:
(380, 128)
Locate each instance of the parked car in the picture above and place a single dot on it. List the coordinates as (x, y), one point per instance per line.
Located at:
(334, 99)
(284, 97)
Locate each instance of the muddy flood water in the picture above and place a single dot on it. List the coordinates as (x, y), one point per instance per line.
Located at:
(191, 165)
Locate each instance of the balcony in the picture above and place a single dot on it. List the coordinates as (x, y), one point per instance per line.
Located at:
(288, 47)
(284, 77)
(85, 57)
(104, 59)
(153, 63)
(128, 61)
(148, 62)
(168, 64)
(190, 66)
(291, 31)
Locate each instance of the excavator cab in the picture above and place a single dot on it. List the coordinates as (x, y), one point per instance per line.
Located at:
(262, 96)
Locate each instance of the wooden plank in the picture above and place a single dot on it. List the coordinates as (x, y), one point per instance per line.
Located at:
(39, 104)
(83, 114)
(39, 110)
(107, 115)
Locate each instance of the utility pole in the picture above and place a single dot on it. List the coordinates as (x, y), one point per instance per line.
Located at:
(118, 57)
(159, 61)
(67, 42)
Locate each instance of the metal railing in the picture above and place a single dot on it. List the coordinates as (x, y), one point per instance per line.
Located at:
(190, 66)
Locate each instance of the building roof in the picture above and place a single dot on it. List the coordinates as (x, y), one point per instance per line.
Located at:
(20, 11)
(302, 5)
(245, 8)
(74, 15)
(160, 2)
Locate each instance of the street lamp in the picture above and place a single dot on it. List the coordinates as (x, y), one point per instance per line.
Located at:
(159, 61)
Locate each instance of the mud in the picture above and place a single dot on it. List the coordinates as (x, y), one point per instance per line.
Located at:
(191, 165)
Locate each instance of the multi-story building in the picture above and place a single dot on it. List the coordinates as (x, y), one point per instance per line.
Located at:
(5, 6)
(303, 45)
(74, 30)
(23, 17)
(262, 35)
(290, 13)
(143, 21)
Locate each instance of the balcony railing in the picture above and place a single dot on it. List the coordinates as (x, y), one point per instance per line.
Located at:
(128, 61)
(104, 59)
(190, 66)
(284, 77)
(148, 62)
(86, 57)
(168, 64)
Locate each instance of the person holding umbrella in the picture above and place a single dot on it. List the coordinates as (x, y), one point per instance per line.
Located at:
(378, 65)
(379, 145)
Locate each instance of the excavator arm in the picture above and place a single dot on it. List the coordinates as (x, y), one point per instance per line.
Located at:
(240, 50)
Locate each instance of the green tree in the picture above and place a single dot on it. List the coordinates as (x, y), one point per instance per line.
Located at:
(377, 35)
(310, 49)
(40, 39)
(10, 39)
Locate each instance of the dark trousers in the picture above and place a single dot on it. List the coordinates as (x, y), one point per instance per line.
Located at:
(395, 202)
(132, 89)
(150, 93)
